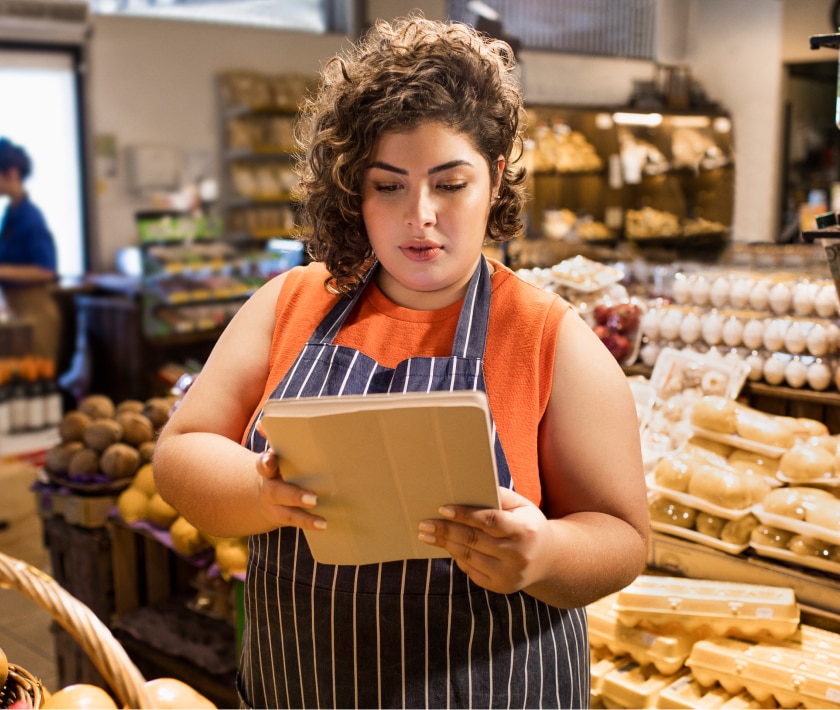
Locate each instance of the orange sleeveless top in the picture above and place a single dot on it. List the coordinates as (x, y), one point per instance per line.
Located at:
(518, 360)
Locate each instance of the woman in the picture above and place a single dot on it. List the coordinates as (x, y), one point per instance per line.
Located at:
(408, 170)
(27, 254)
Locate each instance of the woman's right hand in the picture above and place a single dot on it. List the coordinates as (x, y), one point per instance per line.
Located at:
(284, 504)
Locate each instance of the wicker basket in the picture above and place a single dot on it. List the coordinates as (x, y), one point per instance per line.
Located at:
(95, 638)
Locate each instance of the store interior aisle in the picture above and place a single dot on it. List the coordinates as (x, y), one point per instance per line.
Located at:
(25, 634)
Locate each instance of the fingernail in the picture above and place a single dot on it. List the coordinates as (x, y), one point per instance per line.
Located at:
(423, 537)
(446, 511)
(309, 499)
(426, 527)
(320, 524)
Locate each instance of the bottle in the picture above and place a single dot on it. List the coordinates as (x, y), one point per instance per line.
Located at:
(35, 394)
(5, 403)
(52, 400)
(18, 400)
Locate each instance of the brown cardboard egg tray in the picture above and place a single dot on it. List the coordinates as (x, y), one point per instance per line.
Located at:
(666, 651)
(788, 673)
(708, 608)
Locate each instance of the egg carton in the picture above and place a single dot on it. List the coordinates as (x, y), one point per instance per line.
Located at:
(667, 652)
(781, 294)
(601, 662)
(633, 685)
(709, 607)
(686, 693)
(790, 675)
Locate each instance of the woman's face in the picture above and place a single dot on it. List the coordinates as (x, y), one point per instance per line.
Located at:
(426, 197)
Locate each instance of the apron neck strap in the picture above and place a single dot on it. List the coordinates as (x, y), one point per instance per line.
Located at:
(470, 334)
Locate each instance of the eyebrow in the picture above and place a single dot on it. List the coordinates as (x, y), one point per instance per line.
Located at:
(435, 169)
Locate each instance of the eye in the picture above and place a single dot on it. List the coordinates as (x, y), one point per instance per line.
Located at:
(386, 187)
(452, 186)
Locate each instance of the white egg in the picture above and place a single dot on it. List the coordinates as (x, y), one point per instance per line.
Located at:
(719, 292)
(773, 336)
(734, 359)
(833, 332)
(760, 295)
(825, 304)
(796, 374)
(739, 294)
(650, 324)
(819, 375)
(681, 289)
(690, 327)
(700, 291)
(753, 335)
(817, 340)
(780, 298)
(733, 331)
(649, 353)
(712, 328)
(756, 363)
(669, 325)
(774, 371)
(794, 338)
(804, 298)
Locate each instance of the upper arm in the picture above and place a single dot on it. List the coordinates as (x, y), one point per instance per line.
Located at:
(589, 443)
(231, 383)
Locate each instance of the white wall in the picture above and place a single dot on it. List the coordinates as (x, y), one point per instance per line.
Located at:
(152, 82)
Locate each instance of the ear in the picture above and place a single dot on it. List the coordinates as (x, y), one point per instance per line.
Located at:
(500, 169)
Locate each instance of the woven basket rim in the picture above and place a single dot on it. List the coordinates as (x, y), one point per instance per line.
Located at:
(23, 683)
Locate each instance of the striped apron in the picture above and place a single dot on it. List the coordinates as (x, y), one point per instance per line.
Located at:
(404, 634)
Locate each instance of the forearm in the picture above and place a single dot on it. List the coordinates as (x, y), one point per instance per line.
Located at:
(212, 481)
(587, 556)
(24, 274)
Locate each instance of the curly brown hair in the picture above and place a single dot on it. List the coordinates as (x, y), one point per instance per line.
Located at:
(399, 76)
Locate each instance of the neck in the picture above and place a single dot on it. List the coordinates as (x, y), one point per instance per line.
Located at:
(16, 195)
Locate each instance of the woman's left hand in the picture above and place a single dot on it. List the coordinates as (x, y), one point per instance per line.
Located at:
(497, 549)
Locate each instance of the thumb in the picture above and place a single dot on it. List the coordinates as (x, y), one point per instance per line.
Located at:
(267, 465)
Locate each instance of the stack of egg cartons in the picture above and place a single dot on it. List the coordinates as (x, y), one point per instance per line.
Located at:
(671, 642)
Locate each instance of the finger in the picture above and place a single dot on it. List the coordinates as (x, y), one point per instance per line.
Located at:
(267, 464)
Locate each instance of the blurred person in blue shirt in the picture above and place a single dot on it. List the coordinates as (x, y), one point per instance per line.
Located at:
(28, 268)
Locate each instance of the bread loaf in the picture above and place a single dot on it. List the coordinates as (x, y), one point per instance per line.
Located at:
(805, 462)
(715, 414)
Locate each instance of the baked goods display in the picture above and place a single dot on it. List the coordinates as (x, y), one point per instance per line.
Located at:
(560, 148)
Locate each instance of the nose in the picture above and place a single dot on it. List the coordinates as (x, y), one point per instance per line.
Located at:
(420, 209)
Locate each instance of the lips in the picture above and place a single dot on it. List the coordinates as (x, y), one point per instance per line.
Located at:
(421, 250)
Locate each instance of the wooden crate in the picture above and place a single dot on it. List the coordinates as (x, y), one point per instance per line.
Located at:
(81, 563)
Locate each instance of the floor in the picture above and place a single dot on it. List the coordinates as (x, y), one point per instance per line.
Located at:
(25, 635)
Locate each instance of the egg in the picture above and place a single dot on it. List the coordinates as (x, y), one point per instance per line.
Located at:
(739, 294)
(649, 353)
(756, 365)
(780, 298)
(817, 340)
(649, 324)
(804, 298)
(760, 295)
(796, 374)
(712, 328)
(681, 289)
(700, 289)
(669, 325)
(774, 371)
(719, 292)
(733, 331)
(825, 303)
(794, 338)
(773, 336)
(753, 334)
(690, 328)
(819, 375)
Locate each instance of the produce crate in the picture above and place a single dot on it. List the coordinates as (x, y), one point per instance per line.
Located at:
(80, 561)
(87, 511)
